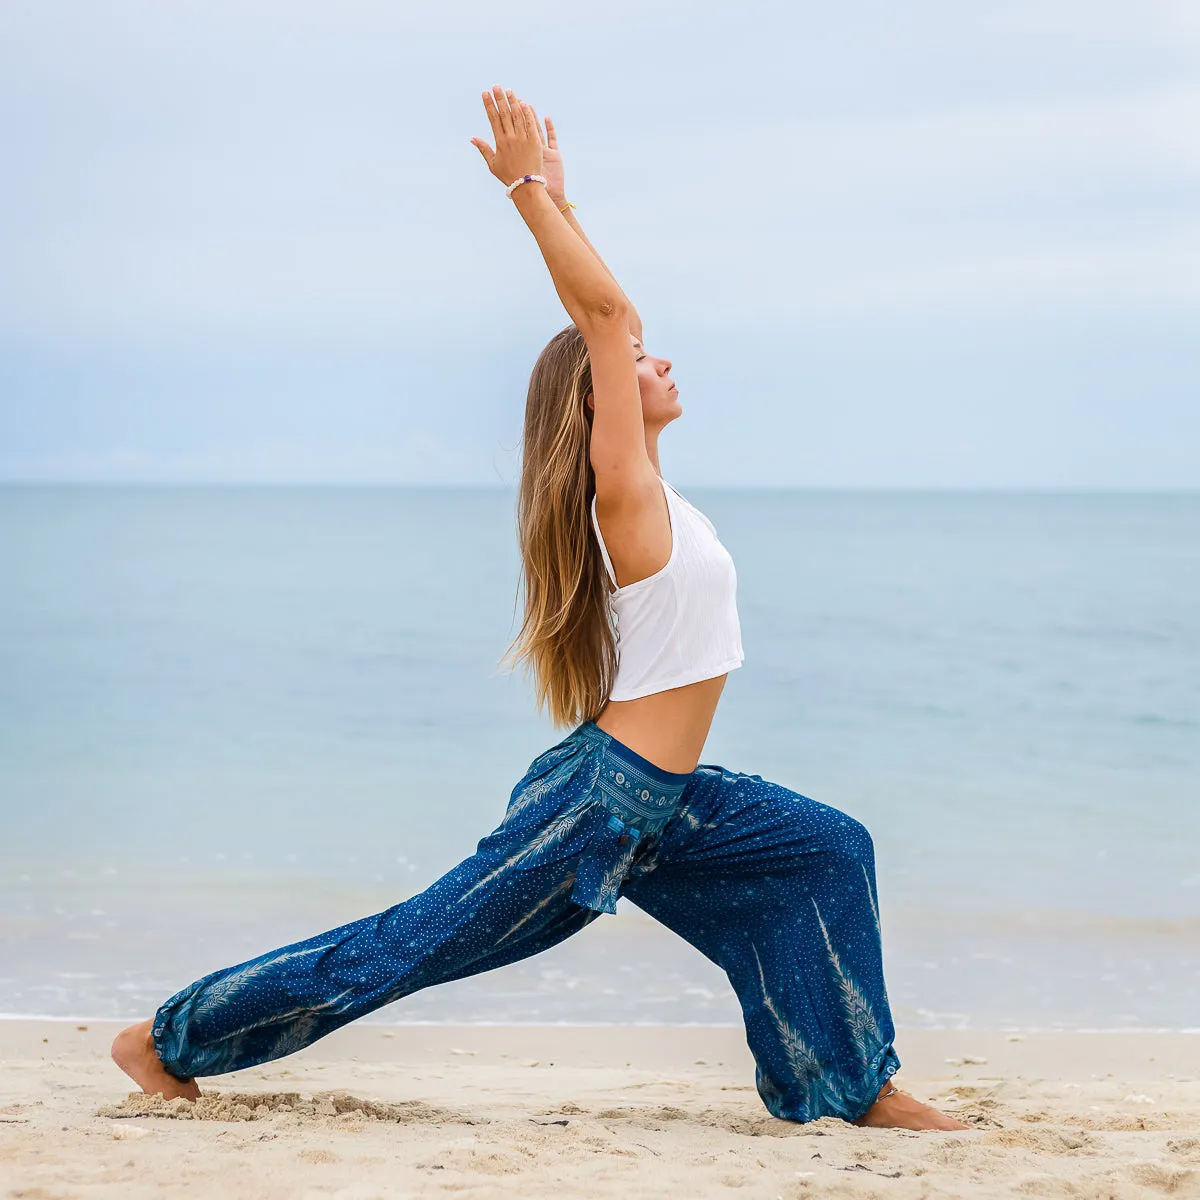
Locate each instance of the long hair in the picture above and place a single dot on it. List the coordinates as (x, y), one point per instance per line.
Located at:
(567, 636)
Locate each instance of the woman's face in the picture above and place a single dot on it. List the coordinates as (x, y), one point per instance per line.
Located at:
(660, 396)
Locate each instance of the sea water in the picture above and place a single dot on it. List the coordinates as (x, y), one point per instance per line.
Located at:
(231, 717)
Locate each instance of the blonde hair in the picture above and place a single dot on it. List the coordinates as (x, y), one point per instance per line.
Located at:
(567, 637)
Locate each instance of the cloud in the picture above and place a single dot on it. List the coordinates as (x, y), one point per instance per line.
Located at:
(240, 193)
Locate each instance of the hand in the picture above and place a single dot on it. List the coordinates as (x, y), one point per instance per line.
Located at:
(519, 149)
(552, 164)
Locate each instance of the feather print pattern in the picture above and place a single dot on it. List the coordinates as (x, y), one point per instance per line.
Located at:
(611, 883)
(863, 1027)
(871, 900)
(809, 1084)
(295, 1036)
(541, 905)
(726, 859)
(542, 841)
(222, 991)
(806, 1066)
(540, 787)
(287, 1018)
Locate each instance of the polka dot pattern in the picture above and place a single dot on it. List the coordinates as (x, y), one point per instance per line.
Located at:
(776, 888)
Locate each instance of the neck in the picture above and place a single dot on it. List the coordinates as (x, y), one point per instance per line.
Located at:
(652, 449)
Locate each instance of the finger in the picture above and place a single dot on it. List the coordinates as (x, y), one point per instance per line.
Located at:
(489, 106)
(531, 125)
(501, 102)
(537, 125)
(519, 117)
(484, 149)
(525, 120)
(551, 136)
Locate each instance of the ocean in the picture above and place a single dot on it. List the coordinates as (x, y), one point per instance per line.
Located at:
(231, 717)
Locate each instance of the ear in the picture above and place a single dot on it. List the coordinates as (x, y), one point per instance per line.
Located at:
(590, 401)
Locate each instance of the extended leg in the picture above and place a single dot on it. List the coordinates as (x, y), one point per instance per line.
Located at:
(525, 889)
(470, 920)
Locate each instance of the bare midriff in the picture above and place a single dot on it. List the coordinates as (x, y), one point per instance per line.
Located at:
(669, 728)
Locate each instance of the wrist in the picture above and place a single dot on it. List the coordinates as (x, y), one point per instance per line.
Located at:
(528, 180)
(529, 195)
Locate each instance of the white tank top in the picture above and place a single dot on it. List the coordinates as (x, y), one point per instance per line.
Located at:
(679, 625)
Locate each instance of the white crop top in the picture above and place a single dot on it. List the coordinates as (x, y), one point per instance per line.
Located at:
(679, 625)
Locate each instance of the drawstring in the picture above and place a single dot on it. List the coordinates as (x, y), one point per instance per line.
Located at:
(625, 833)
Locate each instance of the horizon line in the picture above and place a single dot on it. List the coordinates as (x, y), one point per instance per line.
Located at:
(397, 485)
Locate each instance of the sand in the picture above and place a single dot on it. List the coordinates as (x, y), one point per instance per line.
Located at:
(409, 1111)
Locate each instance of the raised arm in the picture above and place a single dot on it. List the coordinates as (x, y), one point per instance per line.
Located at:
(588, 292)
(635, 321)
(552, 169)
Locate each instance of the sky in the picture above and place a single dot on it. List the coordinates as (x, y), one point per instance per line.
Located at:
(933, 245)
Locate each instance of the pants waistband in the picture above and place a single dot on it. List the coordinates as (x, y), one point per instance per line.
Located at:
(654, 777)
(639, 796)
(639, 799)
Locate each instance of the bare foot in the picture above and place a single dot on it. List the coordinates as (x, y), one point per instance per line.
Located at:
(133, 1051)
(894, 1109)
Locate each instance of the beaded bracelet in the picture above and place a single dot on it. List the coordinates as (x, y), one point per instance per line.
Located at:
(516, 183)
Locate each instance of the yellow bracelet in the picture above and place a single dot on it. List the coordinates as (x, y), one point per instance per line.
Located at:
(568, 204)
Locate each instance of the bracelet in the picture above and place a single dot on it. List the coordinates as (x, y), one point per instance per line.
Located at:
(568, 205)
(516, 183)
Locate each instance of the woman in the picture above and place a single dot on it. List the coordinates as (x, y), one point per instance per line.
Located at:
(777, 889)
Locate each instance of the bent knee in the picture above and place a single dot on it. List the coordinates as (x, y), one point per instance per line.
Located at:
(847, 837)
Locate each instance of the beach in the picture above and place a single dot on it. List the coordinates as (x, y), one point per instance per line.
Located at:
(305, 621)
(563, 1111)
(235, 718)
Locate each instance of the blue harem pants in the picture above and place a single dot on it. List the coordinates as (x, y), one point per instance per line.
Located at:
(775, 888)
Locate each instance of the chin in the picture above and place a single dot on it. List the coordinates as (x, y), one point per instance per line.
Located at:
(668, 411)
